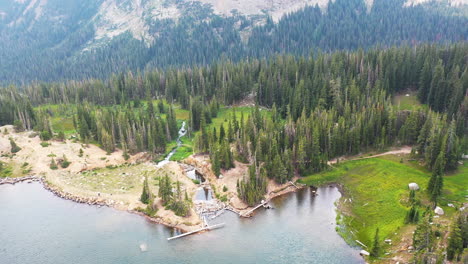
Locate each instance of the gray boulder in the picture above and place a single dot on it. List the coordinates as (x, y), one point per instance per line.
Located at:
(413, 186)
(439, 211)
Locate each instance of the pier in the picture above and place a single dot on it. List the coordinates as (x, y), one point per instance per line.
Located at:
(247, 214)
(206, 228)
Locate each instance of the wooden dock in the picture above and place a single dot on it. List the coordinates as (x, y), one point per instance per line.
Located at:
(292, 183)
(197, 231)
(247, 214)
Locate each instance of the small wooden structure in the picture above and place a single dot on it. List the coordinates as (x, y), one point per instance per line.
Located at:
(205, 228)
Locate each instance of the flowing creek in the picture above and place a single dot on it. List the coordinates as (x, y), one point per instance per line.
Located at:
(38, 227)
(166, 160)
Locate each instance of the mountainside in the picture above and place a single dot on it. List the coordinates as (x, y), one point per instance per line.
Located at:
(75, 39)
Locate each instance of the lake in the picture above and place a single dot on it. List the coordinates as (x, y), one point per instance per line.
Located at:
(38, 227)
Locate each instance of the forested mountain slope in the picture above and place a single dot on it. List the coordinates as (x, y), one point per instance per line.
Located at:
(56, 40)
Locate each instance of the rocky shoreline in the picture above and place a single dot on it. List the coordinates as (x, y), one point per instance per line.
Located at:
(77, 199)
(13, 181)
(110, 203)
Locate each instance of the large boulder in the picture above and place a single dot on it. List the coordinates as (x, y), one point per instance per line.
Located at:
(413, 186)
(364, 253)
(439, 211)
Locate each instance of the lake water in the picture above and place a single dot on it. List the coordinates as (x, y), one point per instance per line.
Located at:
(37, 227)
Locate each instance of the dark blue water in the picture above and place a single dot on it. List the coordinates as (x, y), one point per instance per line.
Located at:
(37, 227)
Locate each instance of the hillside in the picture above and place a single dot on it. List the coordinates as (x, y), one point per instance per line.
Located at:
(49, 40)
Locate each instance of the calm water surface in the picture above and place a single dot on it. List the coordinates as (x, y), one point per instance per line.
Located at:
(37, 227)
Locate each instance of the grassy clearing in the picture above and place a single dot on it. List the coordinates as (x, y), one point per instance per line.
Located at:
(182, 153)
(456, 185)
(378, 189)
(409, 102)
(61, 117)
(225, 114)
(64, 124)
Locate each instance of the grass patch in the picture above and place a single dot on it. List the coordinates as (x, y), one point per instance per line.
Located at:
(376, 188)
(455, 185)
(410, 102)
(5, 170)
(182, 153)
(225, 114)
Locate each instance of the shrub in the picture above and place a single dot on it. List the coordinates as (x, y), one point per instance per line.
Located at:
(65, 162)
(45, 144)
(224, 198)
(61, 136)
(45, 135)
(125, 155)
(196, 181)
(18, 125)
(225, 188)
(53, 164)
(14, 147)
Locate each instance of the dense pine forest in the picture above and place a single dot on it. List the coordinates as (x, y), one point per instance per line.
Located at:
(199, 37)
(180, 112)
(309, 110)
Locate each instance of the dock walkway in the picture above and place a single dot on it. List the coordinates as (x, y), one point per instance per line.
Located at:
(197, 231)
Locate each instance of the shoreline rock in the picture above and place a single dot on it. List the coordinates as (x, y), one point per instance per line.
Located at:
(83, 200)
(13, 181)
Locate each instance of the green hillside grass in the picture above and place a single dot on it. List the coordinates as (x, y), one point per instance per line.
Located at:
(378, 189)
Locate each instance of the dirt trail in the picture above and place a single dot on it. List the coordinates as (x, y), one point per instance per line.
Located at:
(402, 150)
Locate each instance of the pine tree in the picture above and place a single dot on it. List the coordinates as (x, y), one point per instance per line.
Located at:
(436, 181)
(423, 237)
(145, 195)
(65, 162)
(412, 196)
(222, 134)
(375, 252)
(165, 189)
(53, 164)
(14, 146)
(215, 163)
(412, 216)
(455, 243)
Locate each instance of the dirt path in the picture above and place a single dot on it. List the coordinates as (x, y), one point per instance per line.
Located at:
(402, 150)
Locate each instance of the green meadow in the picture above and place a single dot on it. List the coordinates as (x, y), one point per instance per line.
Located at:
(376, 192)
